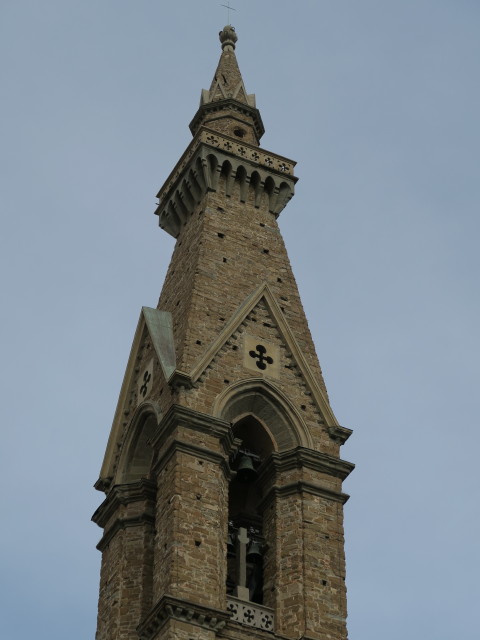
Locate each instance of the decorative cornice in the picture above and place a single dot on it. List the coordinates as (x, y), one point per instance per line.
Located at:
(192, 450)
(303, 487)
(124, 523)
(183, 611)
(242, 150)
(199, 169)
(301, 457)
(178, 415)
(121, 495)
(229, 104)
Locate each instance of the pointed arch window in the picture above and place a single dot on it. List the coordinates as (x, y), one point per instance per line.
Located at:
(247, 541)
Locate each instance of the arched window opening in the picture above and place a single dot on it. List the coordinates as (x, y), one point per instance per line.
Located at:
(246, 540)
(140, 451)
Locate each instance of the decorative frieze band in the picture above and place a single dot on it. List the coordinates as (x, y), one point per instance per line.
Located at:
(233, 146)
(251, 614)
(210, 156)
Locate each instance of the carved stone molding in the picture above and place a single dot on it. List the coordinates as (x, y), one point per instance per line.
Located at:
(125, 523)
(251, 614)
(339, 434)
(230, 105)
(183, 611)
(191, 419)
(210, 155)
(303, 487)
(121, 495)
(307, 458)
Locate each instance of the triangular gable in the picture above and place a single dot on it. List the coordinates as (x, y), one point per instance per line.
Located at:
(264, 292)
(158, 326)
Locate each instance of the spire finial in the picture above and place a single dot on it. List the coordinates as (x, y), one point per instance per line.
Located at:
(228, 8)
(228, 38)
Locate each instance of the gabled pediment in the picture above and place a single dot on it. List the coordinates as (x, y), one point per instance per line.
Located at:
(152, 355)
(264, 295)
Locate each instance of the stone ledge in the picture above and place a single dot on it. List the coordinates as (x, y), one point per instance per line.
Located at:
(183, 611)
(121, 495)
(304, 487)
(339, 434)
(197, 421)
(308, 458)
(125, 523)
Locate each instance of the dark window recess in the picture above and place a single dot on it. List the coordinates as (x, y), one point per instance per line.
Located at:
(225, 260)
(240, 133)
(222, 319)
(279, 280)
(234, 348)
(199, 342)
(303, 407)
(266, 250)
(221, 235)
(227, 381)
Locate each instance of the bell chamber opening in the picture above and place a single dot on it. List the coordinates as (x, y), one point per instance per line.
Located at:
(247, 541)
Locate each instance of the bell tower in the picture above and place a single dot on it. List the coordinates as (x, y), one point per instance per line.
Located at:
(223, 505)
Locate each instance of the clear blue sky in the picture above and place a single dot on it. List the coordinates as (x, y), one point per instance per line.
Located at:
(379, 103)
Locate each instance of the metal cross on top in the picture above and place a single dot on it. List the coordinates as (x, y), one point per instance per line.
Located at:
(228, 8)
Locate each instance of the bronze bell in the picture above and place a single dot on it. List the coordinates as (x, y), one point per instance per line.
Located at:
(254, 552)
(246, 471)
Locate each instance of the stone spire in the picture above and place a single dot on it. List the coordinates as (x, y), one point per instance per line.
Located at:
(228, 82)
(227, 97)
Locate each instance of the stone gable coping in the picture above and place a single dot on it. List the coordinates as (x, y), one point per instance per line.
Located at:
(264, 291)
(183, 611)
(158, 325)
(121, 495)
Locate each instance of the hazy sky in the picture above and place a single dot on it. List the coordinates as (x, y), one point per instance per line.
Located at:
(379, 103)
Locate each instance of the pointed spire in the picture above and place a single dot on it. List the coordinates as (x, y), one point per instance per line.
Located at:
(228, 92)
(228, 82)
